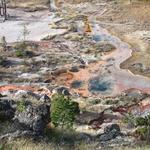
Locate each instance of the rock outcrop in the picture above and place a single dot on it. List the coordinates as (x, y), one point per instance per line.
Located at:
(110, 132)
(35, 118)
(6, 109)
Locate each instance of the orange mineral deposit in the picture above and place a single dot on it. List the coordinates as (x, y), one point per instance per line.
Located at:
(88, 27)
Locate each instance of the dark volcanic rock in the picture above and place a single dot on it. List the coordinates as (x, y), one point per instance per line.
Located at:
(6, 109)
(34, 117)
(61, 90)
(38, 124)
(74, 69)
(26, 94)
(110, 132)
(45, 98)
(112, 127)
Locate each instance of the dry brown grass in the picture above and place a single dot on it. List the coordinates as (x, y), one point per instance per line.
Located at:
(26, 144)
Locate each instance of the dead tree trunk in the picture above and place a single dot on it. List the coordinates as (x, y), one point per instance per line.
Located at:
(0, 10)
(52, 5)
(3, 9)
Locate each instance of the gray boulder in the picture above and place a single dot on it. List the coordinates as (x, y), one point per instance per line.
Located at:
(112, 127)
(44, 98)
(6, 109)
(74, 69)
(34, 118)
(61, 90)
(26, 94)
(110, 132)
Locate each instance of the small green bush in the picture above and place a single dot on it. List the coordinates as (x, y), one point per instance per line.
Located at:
(130, 119)
(63, 111)
(21, 46)
(95, 101)
(142, 124)
(144, 133)
(21, 106)
(137, 121)
(20, 53)
(140, 121)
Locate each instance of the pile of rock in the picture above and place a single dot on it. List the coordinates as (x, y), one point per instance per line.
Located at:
(27, 116)
(110, 132)
(28, 112)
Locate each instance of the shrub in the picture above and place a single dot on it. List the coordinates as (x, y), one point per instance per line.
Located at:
(25, 32)
(63, 111)
(140, 121)
(21, 106)
(144, 133)
(142, 124)
(21, 46)
(95, 101)
(130, 119)
(20, 53)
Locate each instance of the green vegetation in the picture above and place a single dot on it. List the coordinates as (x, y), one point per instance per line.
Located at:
(23, 53)
(63, 111)
(141, 123)
(95, 101)
(130, 119)
(137, 121)
(21, 105)
(144, 133)
(24, 49)
(20, 53)
(20, 46)
(25, 32)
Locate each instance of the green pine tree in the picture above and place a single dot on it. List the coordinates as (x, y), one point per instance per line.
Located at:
(63, 111)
